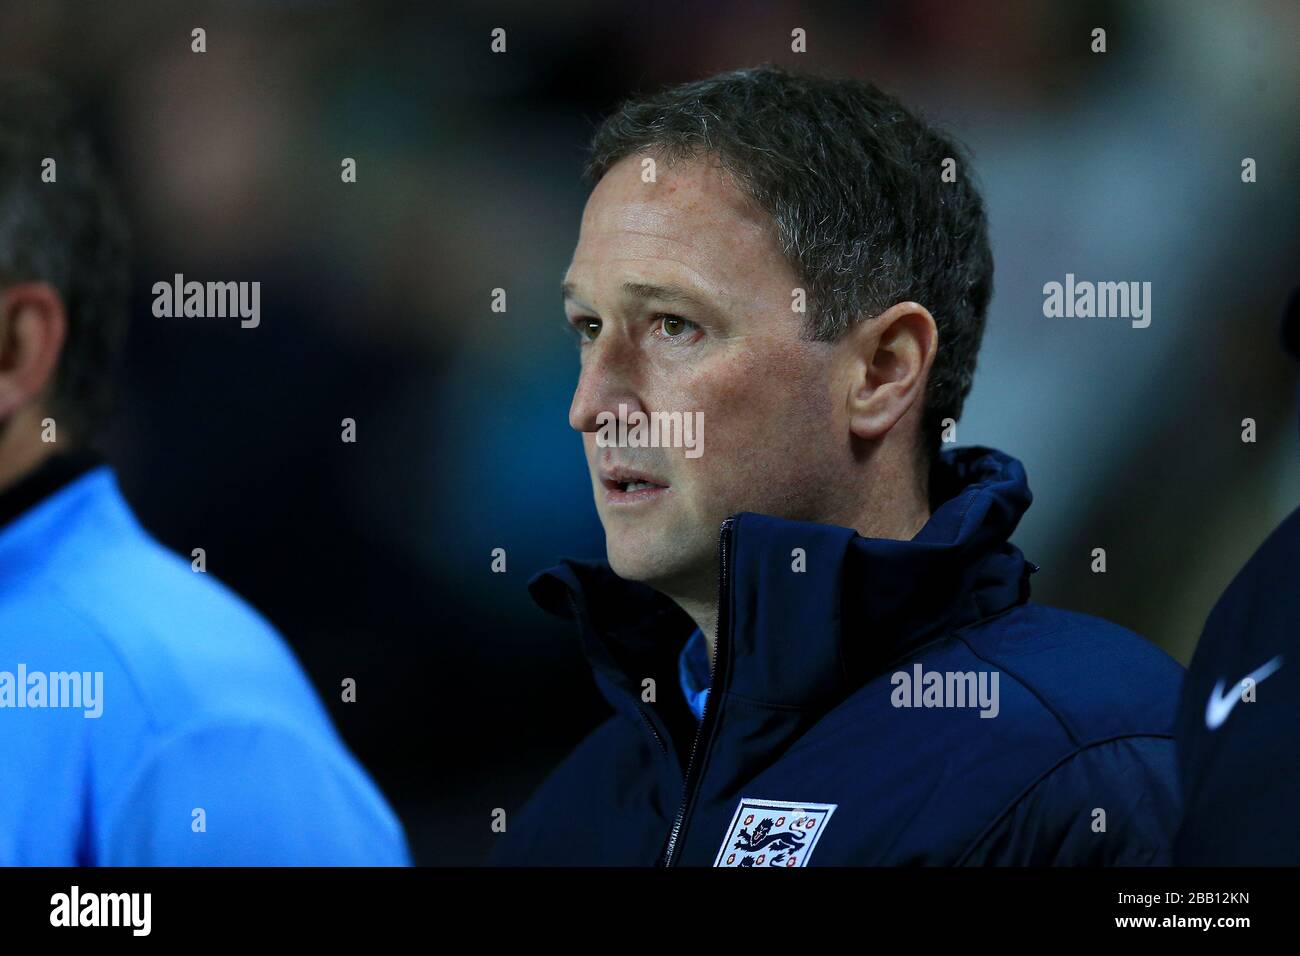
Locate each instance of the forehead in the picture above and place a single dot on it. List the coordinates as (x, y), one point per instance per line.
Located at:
(691, 225)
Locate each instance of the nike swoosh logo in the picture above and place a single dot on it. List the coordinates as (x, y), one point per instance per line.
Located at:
(1219, 706)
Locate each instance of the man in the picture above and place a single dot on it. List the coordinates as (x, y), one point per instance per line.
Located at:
(1239, 721)
(147, 715)
(815, 634)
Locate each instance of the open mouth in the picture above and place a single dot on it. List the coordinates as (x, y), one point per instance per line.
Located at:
(631, 488)
(628, 486)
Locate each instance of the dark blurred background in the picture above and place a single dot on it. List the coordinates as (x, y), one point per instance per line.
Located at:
(374, 558)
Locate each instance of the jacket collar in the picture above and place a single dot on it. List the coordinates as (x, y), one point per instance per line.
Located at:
(805, 639)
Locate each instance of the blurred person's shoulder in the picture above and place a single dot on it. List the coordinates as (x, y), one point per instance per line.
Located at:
(189, 688)
(1238, 717)
(83, 577)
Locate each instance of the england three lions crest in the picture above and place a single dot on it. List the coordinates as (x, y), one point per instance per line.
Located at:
(773, 833)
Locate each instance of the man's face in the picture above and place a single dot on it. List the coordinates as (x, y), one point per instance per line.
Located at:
(720, 338)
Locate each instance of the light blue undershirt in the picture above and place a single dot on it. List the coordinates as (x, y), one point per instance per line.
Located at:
(693, 671)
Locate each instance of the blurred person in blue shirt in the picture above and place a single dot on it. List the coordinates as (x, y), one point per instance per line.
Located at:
(148, 716)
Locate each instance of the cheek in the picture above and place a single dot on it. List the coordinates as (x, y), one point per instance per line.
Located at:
(768, 423)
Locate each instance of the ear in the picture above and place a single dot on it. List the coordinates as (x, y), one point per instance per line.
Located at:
(890, 356)
(33, 327)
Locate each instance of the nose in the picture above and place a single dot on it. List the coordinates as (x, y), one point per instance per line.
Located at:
(607, 380)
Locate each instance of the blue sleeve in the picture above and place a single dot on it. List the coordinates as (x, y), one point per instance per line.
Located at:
(249, 793)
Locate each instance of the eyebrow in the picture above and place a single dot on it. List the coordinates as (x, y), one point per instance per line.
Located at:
(672, 294)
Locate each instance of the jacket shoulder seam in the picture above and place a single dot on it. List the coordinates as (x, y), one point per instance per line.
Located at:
(1043, 778)
(962, 635)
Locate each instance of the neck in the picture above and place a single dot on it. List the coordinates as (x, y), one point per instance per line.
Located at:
(705, 616)
(21, 448)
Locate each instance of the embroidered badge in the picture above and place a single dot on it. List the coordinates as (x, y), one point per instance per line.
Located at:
(773, 833)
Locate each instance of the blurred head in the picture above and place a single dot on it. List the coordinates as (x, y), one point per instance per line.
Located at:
(780, 253)
(63, 272)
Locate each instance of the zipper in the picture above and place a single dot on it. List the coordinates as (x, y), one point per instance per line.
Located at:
(658, 739)
(709, 706)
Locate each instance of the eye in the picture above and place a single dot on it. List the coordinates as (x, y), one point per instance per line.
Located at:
(674, 326)
(585, 327)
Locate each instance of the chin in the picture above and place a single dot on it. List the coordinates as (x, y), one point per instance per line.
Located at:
(630, 562)
(634, 558)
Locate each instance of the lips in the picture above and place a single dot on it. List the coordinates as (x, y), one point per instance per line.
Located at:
(629, 480)
(628, 485)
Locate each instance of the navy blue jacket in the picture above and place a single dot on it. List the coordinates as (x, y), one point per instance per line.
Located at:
(805, 755)
(1239, 753)
(1240, 758)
